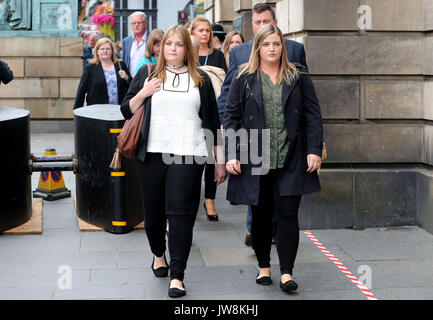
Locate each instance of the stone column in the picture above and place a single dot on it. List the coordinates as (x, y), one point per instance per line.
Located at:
(224, 13)
(209, 8)
(242, 21)
(372, 65)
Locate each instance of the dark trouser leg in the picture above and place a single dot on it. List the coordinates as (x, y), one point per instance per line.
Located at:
(287, 232)
(261, 223)
(152, 182)
(179, 243)
(183, 186)
(209, 183)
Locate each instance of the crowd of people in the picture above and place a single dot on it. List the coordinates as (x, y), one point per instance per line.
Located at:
(193, 81)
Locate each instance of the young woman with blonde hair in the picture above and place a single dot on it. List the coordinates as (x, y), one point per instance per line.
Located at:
(233, 39)
(276, 98)
(180, 106)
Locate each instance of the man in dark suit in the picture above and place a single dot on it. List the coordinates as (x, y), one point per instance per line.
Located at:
(262, 14)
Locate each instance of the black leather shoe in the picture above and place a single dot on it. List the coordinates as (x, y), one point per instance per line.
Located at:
(288, 286)
(210, 217)
(263, 280)
(249, 240)
(160, 272)
(175, 292)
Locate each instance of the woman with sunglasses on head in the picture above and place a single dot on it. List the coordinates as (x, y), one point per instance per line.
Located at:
(271, 97)
(180, 108)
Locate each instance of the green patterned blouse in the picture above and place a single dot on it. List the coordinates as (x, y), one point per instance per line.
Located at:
(274, 121)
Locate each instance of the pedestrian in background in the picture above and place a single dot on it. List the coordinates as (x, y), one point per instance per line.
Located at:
(105, 80)
(201, 29)
(88, 49)
(233, 39)
(6, 74)
(118, 48)
(178, 98)
(219, 35)
(270, 93)
(153, 48)
(134, 46)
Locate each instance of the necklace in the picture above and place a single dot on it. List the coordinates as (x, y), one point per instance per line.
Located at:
(174, 66)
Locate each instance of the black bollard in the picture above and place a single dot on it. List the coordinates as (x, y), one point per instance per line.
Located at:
(15, 182)
(107, 198)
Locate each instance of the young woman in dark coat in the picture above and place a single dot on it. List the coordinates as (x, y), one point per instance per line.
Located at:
(273, 102)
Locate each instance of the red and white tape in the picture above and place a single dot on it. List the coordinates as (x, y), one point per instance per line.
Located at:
(341, 266)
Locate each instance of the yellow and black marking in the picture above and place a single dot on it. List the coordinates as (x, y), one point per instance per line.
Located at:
(51, 184)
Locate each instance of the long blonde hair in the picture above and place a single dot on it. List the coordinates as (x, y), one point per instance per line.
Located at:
(100, 43)
(154, 37)
(286, 72)
(194, 24)
(190, 58)
(226, 44)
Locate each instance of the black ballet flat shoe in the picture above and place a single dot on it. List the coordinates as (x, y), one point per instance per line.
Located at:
(266, 280)
(160, 272)
(210, 217)
(288, 286)
(176, 292)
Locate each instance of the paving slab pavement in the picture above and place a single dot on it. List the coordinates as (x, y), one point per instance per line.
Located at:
(395, 263)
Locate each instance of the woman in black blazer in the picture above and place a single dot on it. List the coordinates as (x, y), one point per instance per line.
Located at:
(274, 139)
(105, 79)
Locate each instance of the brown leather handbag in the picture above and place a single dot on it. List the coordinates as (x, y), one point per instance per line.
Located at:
(129, 137)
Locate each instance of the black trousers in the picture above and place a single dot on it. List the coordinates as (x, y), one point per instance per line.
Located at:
(287, 226)
(210, 185)
(170, 191)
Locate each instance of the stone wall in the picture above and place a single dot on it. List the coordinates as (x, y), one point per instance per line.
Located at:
(372, 65)
(46, 75)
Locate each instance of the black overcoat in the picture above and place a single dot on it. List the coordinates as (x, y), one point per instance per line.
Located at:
(303, 122)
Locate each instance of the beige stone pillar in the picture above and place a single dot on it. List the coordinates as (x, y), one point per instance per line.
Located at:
(46, 75)
(242, 21)
(209, 7)
(224, 13)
